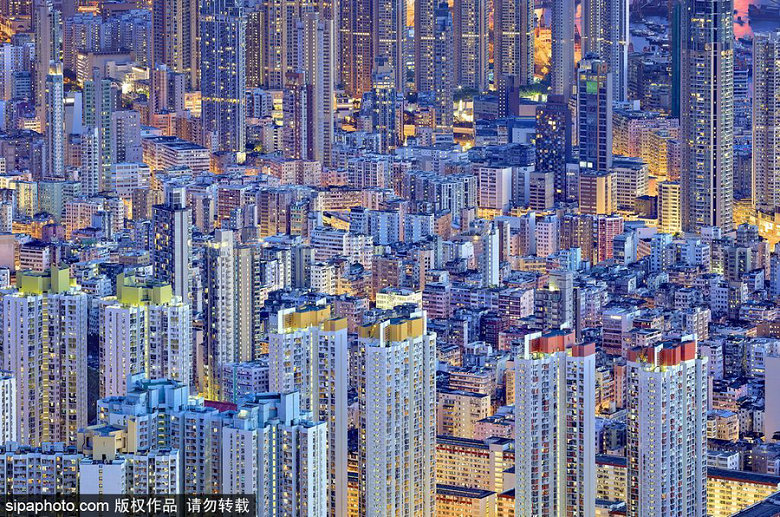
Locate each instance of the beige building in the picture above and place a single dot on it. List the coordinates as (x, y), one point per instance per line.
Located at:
(459, 411)
(454, 501)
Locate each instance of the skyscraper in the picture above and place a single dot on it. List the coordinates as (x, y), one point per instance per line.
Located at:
(99, 102)
(386, 106)
(55, 124)
(553, 141)
(562, 47)
(171, 253)
(220, 314)
(605, 35)
(45, 346)
(593, 19)
(47, 24)
(443, 67)
(594, 114)
(614, 46)
(273, 34)
(707, 114)
(667, 430)
(268, 446)
(555, 462)
(273, 449)
(389, 39)
(489, 258)
(175, 38)
(355, 45)
(308, 353)
(470, 33)
(676, 18)
(424, 37)
(297, 112)
(766, 121)
(223, 74)
(397, 396)
(318, 41)
(513, 53)
(168, 89)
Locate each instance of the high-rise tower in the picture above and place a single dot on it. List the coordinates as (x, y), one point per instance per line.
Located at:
(553, 142)
(424, 36)
(389, 38)
(443, 67)
(308, 352)
(562, 47)
(766, 121)
(175, 37)
(220, 317)
(55, 124)
(355, 45)
(397, 395)
(666, 392)
(605, 35)
(223, 74)
(707, 115)
(594, 114)
(171, 252)
(513, 38)
(45, 346)
(555, 462)
(470, 29)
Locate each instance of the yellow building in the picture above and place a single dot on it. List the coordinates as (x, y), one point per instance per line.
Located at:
(723, 425)
(455, 501)
(505, 504)
(611, 481)
(353, 494)
(731, 491)
(728, 491)
(464, 462)
(459, 411)
(597, 192)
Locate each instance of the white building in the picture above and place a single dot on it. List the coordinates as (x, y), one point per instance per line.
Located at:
(51, 469)
(45, 342)
(271, 449)
(331, 242)
(308, 352)
(495, 187)
(666, 391)
(397, 395)
(7, 407)
(555, 462)
(144, 328)
(489, 258)
(220, 311)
